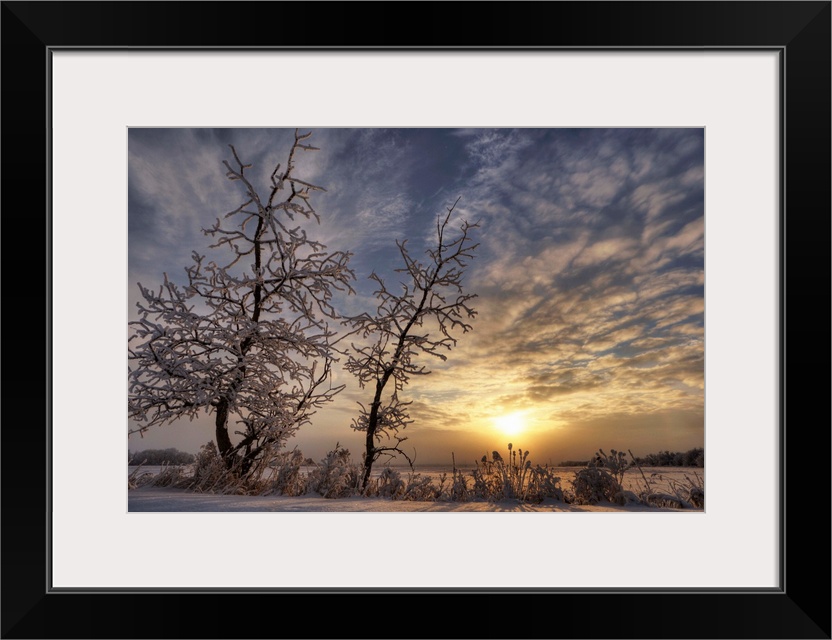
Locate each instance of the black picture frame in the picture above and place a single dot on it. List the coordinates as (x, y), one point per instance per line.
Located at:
(800, 608)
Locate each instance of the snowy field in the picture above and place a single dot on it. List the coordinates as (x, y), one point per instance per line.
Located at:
(149, 498)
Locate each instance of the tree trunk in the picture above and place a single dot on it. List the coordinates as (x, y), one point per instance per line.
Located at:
(223, 441)
(368, 456)
(372, 426)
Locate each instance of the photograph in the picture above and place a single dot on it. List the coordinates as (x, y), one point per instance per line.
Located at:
(416, 319)
(394, 300)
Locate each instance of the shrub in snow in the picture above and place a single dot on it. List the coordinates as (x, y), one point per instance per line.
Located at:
(389, 484)
(697, 497)
(138, 478)
(485, 482)
(689, 494)
(685, 495)
(616, 463)
(458, 489)
(209, 469)
(287, 477)
(542, 483)
(490, 477)
(170, 476)
(515, 478)
(420, 488)
(593, 484)
(212, 475)
(601, 480)
(337, 476)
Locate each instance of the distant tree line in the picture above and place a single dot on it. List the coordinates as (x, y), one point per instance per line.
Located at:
(691, 458)
(159, 456)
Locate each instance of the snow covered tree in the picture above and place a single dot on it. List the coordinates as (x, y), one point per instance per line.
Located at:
(247, 338)
(416, 319)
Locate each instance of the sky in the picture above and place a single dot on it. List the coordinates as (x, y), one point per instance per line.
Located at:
(589, 274)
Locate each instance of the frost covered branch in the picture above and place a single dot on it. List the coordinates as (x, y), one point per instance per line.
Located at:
(248, 339)
(420, 318)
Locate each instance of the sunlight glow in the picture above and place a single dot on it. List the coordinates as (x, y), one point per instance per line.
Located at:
(511, 424)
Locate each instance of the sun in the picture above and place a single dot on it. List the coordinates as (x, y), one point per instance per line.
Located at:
(511, 424)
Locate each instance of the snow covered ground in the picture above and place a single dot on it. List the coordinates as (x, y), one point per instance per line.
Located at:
(150, 498)
(179, 500)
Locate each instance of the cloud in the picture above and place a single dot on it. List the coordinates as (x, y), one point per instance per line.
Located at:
(383, 216)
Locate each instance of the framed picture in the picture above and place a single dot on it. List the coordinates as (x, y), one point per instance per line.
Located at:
(571, 260)
(754, 77)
